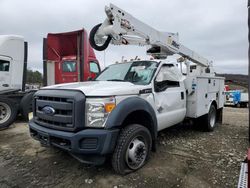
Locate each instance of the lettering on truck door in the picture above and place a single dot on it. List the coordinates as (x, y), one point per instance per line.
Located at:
(170, 97)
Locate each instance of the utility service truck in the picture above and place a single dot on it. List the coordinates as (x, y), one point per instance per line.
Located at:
(14, 99)
(119, 114)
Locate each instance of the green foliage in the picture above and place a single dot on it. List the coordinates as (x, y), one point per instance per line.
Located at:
(34, 77)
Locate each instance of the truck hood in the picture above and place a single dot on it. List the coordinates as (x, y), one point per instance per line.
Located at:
(101, 88)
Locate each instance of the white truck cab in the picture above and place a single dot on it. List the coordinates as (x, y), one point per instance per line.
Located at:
(14, 99)
(11, 62)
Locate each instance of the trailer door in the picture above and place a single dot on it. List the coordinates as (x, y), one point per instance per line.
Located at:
(5, 73)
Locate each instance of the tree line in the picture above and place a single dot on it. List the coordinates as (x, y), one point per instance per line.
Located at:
(34, 77)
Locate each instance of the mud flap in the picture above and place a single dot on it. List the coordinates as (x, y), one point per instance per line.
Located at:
(219, 115)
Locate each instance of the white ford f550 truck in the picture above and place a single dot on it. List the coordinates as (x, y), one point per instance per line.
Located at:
(120, 113)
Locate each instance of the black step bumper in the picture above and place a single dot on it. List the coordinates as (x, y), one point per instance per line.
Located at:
(90, 143)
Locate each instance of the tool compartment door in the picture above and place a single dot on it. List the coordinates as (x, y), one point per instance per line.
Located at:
(202, 94)
(213, 85)
(197, 96)
(202, 97)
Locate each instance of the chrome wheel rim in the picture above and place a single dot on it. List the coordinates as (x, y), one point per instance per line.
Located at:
(5, 112)
(136, 153)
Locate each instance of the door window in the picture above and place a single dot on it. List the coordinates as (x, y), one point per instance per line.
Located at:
(167, 77)
(94, 68)
(69, 66)
(4, 65)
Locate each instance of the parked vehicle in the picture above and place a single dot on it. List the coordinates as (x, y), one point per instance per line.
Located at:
(68, 57)
(236, 98)
(119, 114)
(14, 99)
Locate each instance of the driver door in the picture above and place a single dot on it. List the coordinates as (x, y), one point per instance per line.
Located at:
(170, 98)
(5, 73)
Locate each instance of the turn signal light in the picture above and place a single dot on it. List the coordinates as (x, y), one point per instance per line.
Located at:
(109, 107)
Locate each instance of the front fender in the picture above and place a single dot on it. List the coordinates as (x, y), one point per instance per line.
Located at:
(128, 106)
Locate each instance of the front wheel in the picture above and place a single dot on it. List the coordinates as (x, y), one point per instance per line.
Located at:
(132, 149)
(8, 112)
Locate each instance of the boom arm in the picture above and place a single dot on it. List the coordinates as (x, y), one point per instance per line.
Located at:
(121, 28)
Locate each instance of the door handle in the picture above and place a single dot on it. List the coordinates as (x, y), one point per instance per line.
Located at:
(182, 95)
(5, 85)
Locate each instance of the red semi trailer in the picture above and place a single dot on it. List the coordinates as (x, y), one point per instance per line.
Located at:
(68, 57)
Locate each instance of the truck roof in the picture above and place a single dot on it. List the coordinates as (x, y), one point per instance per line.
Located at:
(11, 45)
(10, 37)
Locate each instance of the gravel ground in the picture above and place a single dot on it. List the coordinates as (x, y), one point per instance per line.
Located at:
(185, 157)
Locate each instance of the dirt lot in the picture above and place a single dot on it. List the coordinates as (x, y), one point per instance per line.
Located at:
(185, 158)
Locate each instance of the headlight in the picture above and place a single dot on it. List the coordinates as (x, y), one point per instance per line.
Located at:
(98, 111)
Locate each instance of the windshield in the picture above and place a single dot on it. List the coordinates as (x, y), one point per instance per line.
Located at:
(69, 66)
(139, 72)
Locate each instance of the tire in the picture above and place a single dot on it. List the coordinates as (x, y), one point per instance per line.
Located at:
(8, 112)
(26, 105)
(238, 105)
(132, 149)
(92, 39)
(210, 119)
(244, 105)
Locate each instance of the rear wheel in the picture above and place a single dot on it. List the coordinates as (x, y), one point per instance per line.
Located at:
(132, 149)
(8, 112)
(210, 119)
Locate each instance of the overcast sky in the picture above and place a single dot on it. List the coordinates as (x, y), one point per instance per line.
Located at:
(216, 29)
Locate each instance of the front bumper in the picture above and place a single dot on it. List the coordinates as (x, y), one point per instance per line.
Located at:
(87, 142)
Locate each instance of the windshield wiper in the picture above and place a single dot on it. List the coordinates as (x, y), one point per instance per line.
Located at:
(118, 80)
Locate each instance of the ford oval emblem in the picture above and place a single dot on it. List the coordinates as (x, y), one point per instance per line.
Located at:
(48, 110)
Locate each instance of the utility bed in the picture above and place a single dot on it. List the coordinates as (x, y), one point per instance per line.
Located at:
(201, 90)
